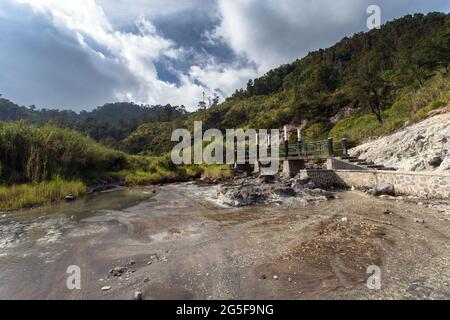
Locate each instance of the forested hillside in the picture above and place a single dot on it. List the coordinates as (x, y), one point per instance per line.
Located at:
(108, 124)
(369, 84)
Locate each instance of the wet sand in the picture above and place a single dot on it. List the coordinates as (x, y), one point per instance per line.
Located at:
(176, 244)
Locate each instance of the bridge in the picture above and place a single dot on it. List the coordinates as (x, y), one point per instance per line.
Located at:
(294, 155)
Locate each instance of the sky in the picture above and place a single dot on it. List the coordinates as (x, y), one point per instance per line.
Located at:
(79, 54)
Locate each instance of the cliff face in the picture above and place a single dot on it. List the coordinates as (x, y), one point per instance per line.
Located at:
(424, 146)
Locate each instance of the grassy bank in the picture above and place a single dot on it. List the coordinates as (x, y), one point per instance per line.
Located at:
(144, 170)
(35, 194)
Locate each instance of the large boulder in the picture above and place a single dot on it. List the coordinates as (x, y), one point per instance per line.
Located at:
(285, 192)
(387, 189)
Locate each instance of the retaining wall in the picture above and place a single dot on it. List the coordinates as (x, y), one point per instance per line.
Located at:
(421, 184)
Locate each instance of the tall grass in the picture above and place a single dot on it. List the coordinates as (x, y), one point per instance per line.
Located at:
(35, 194)
(34, 154)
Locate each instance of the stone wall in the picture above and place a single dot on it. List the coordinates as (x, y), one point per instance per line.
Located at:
(324, 178)
(421, 184)
(333, 163)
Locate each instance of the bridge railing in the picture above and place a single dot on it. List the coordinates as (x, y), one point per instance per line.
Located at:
(307, 150)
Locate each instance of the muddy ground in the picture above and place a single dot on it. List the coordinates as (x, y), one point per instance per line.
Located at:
(178, 244)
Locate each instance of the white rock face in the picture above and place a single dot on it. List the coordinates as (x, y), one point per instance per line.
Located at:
(422, 147)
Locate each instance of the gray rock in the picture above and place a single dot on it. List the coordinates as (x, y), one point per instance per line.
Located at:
(118, 271)
(384, 190)
(435, 162)
(69, 198)
(285, 192)
(266, 179)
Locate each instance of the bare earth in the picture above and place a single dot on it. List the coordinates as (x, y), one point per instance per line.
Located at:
(176, 244)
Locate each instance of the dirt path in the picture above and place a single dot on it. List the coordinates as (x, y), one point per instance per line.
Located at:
(177, 245)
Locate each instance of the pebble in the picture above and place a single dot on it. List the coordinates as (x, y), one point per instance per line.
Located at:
(345, 220)
(106, 288)
(275, 277)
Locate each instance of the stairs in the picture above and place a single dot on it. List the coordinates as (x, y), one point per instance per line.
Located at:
(365, 164)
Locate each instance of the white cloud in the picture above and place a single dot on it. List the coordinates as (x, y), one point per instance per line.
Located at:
(78, 53)
(89, 26)
(273, 32)
(224, 78)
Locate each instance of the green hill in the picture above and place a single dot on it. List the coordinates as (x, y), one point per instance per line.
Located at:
(369, 84)
(107, 124)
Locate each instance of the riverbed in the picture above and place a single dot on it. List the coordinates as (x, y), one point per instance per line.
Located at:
(176, 242)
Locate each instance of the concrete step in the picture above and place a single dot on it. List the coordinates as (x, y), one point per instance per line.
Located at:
(347, 157)
(375, 166)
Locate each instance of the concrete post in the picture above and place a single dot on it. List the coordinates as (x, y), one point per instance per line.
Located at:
(330, 147)
(344, 147)
(286, 143)
(257, 147)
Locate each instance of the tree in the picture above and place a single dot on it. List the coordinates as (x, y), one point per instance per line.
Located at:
(414, 68)
(215, 100)
(440, 49)
(372, 86)
(202, 105)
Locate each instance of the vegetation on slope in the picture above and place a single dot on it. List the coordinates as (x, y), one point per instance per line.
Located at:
(371, 78)
(108, 124)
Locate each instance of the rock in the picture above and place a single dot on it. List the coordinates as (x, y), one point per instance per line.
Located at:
(417, 220)
(69, 198)
(132, 263)
(266, 179)
(415, 148)
(117, 271)
(435, 162)
(137, 295)
(285, 192)
(106, 288)
(436, 112)
(311, 185)
(146, 280)
(275, 277)
(304, 180)
(384, 190)
(344, 220)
